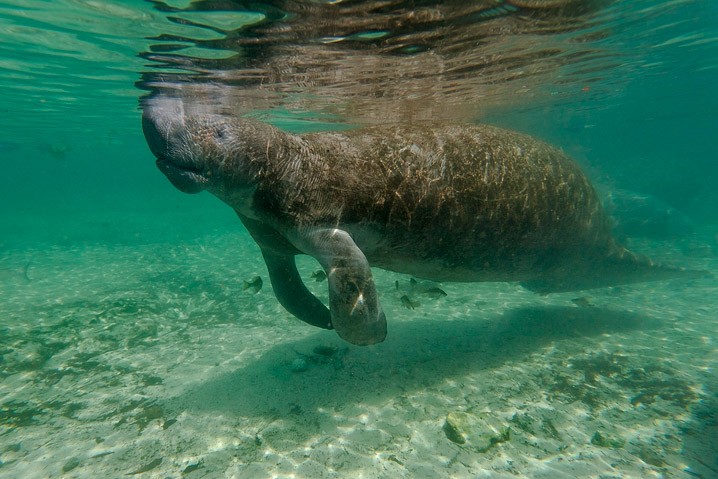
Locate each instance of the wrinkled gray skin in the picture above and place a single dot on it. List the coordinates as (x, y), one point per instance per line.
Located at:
(441, 202)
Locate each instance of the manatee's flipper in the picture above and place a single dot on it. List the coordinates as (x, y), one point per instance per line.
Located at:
(288, 286)
(356, 313)
(291, 292)
(620, 266)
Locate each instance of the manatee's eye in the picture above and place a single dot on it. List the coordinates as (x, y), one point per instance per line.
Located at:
(220, 132)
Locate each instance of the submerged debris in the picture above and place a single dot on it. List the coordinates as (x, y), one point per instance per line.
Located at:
(254, 285)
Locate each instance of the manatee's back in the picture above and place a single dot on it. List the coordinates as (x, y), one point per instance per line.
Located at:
(480, 197)
(475, 193)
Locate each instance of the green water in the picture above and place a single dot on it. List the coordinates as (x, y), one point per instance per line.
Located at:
(127, 343)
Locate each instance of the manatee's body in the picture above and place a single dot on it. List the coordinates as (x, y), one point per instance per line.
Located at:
(442, 202)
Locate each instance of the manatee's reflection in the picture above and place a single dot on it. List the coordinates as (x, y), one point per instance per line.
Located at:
(384, 61)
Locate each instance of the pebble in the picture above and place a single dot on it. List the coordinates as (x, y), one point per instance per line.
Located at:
(300, 365)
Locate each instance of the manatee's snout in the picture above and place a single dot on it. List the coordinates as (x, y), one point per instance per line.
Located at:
(163, 123)
(357, 315)
(362, 333)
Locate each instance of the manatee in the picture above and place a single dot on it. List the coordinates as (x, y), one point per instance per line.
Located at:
(644, 215)
(442, 202)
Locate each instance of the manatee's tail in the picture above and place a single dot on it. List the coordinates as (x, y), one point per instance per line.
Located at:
(619, 267)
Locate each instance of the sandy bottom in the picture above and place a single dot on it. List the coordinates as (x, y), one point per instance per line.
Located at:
(152, 361)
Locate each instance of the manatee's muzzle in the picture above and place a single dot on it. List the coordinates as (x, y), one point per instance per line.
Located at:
(364, 334)
(184, 178)
(183, 175)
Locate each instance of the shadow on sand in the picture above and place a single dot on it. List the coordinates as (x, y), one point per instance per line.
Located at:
(417, 355)
(700, 436)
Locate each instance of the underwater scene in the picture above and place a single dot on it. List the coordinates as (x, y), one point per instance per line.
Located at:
(359, 239)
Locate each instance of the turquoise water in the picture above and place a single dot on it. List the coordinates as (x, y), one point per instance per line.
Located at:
(127, 342)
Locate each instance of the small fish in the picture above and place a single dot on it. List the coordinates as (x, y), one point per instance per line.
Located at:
(147, 467)
(582, 302)
(396, 284)
(319, 275)
(325, 351)
(434, 293)
(191, 467)
(254, 285)
(168, 423)
(102, 454)
(407, 302)
(16, 272)
(426, 288)
(25, 269)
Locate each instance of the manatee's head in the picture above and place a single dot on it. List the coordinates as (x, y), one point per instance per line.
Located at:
(196, 149)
